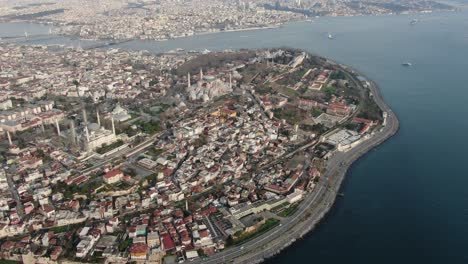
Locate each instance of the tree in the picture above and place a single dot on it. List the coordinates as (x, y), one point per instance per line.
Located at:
(329, 91)
(316, 112)
(153, 82)
(229, 241)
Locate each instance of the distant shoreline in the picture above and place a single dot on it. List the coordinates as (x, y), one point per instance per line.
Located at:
(208, 32)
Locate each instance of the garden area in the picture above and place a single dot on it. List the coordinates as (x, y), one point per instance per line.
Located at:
(245, 236)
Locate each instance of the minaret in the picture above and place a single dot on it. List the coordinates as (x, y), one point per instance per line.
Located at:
(58, 127)
(188, 80)
(230, 80)
(73, 132)
(113, 126)
(98, 119)
(85, 117)
(201, 74)
(186, 205)
(9, 138)
(87, 133)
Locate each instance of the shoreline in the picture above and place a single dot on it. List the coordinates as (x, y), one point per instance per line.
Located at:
(317, 204)
(230, 30)
(341, 174)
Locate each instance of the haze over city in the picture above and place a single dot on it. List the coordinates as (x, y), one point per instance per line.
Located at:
(227, 131)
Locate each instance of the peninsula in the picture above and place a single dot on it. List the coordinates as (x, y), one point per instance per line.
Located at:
(116, 156)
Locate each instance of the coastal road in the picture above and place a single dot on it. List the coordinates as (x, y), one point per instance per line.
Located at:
(314, 206)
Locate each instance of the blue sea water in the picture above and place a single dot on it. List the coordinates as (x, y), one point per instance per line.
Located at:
(407, 200)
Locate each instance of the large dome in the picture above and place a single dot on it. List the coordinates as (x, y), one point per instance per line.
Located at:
(118, 109)
(93, 127)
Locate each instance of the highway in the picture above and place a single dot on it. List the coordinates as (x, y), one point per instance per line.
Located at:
(314, 206)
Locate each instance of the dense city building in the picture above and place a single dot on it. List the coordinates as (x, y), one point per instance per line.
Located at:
(127, 156)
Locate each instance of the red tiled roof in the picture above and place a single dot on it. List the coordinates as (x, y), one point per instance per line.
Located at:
(139, 249)
(113, 173)
(167, 241)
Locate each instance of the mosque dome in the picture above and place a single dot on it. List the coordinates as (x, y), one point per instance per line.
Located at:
(93, 127)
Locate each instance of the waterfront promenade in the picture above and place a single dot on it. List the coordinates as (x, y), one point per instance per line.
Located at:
(315, 205)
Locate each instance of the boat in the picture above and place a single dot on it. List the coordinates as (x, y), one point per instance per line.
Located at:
(407, 64)
(341, 194)
(206, 51)
(330, 36)
(414, 21)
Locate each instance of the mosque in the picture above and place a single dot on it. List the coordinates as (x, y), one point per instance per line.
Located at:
(207, 87)
(92, 136)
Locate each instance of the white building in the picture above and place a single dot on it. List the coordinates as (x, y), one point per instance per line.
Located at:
(113, 176)
(120, 114)
(85, 245)
(7, 104)
(153, 240)
(3, 180)
(93, 137)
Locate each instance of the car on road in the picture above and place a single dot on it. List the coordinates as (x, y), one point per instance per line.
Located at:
(280, 224)
(242, 248)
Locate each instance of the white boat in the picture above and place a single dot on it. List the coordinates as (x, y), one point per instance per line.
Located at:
(330, 36)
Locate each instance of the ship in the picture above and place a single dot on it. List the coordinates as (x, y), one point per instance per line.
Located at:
(407, 64)
(330, 36)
